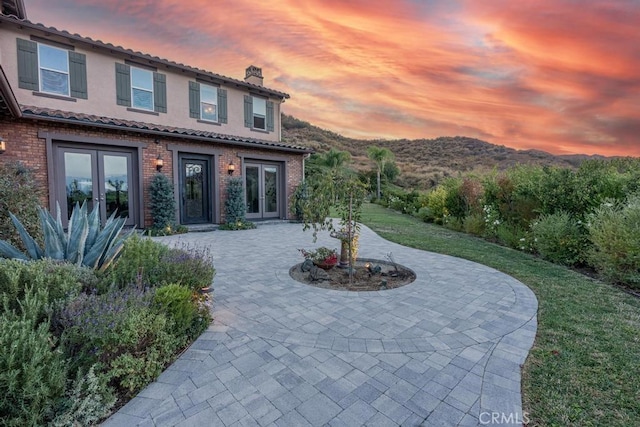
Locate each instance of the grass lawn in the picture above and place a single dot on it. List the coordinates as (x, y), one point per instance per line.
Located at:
(583, 369)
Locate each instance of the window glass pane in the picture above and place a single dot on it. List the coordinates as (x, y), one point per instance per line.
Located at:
(208, 94)
(78, 180)
(116, 177)
(208, 112)
(141, 79)
(258, 122)
(260, 106)
(53, 58)
(54, 82)
(142, 99)
(252, 176)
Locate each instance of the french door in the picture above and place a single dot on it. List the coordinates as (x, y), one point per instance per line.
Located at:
(96, 176)
(195, 189)
(262, 185)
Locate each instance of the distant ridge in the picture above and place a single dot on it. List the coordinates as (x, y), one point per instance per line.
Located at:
(425, 162)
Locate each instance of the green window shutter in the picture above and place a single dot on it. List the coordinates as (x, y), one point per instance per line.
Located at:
(270, 116)
(28, 65)
(222, 105)
(194, 100)
(78, 74)
(248, 111)
(123, 85)
(159, 93)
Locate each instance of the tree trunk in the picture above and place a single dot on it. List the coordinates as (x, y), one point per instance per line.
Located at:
(378, 177)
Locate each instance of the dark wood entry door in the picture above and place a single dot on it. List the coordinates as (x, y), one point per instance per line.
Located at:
(195, 185)
(96, 176)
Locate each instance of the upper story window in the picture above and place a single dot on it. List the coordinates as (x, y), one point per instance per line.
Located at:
(141, 89)
(258, 113)
(51, 69)
(54, 70)
(207, 103)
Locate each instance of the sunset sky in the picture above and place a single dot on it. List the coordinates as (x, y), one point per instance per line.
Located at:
(558, 75)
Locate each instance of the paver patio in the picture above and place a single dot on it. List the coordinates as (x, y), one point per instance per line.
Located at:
(444, 350)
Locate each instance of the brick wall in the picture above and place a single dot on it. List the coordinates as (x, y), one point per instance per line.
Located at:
(23, 144)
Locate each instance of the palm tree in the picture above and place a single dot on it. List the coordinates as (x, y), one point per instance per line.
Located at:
(380, 156)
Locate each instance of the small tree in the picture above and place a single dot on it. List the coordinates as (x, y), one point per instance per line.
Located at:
(380, 156)
(235, 209)
(325, 191)
(163, 204)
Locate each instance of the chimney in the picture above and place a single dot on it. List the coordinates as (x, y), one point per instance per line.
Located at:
(253, 75)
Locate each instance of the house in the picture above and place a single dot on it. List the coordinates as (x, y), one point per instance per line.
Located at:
(96, 122)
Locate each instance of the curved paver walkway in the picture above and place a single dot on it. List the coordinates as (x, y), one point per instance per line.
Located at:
(444, 350)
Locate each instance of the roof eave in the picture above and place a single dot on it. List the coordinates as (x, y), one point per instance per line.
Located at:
(8, 95)
(296, 150)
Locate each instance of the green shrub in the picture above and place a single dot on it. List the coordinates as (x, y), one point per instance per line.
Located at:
(474, 224)
(436, 202)
(90, 322)
(32, 371)
(560, 238)
(235, 207)
(513, 236)
(190, 266)
(121, 331)
(162, 203)
(140, 263)
(87, 401)
(614, 231)
(180, 305)
(20, 193)
(425, 214)
(139, 349)
(57, 283)
(148, 263)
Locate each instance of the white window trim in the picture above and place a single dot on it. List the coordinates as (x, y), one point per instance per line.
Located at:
(142, 89)
(40, 67)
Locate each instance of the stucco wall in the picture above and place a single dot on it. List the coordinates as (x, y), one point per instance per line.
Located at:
(102, 91)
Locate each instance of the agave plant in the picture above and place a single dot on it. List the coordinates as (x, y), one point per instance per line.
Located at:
(84, 243)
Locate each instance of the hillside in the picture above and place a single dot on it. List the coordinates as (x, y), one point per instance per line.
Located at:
(423, 162)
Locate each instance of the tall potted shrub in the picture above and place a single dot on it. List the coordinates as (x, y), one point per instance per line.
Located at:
(235, 208)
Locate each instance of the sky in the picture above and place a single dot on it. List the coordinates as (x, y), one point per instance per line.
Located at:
(561, 76)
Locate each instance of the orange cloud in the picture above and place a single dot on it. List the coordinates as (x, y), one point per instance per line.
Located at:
(547, 75)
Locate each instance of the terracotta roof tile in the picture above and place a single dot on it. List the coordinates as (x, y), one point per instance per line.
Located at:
(89, 119)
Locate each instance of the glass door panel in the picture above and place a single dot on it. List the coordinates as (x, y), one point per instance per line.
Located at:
(79, 179)
(262, 183)
(270, 174)
(115, 183)
(252, 182)
(96, 176)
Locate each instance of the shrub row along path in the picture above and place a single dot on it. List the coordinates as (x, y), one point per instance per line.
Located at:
(444, 350)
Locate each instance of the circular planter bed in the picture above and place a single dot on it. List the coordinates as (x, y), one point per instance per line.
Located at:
(369, 275)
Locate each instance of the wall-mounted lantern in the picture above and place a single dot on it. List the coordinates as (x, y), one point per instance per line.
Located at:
(231, 168)
(159, 163)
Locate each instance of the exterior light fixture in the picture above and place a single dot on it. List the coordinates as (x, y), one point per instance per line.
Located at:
(3, 146)
(231, 168)
(159, 163)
